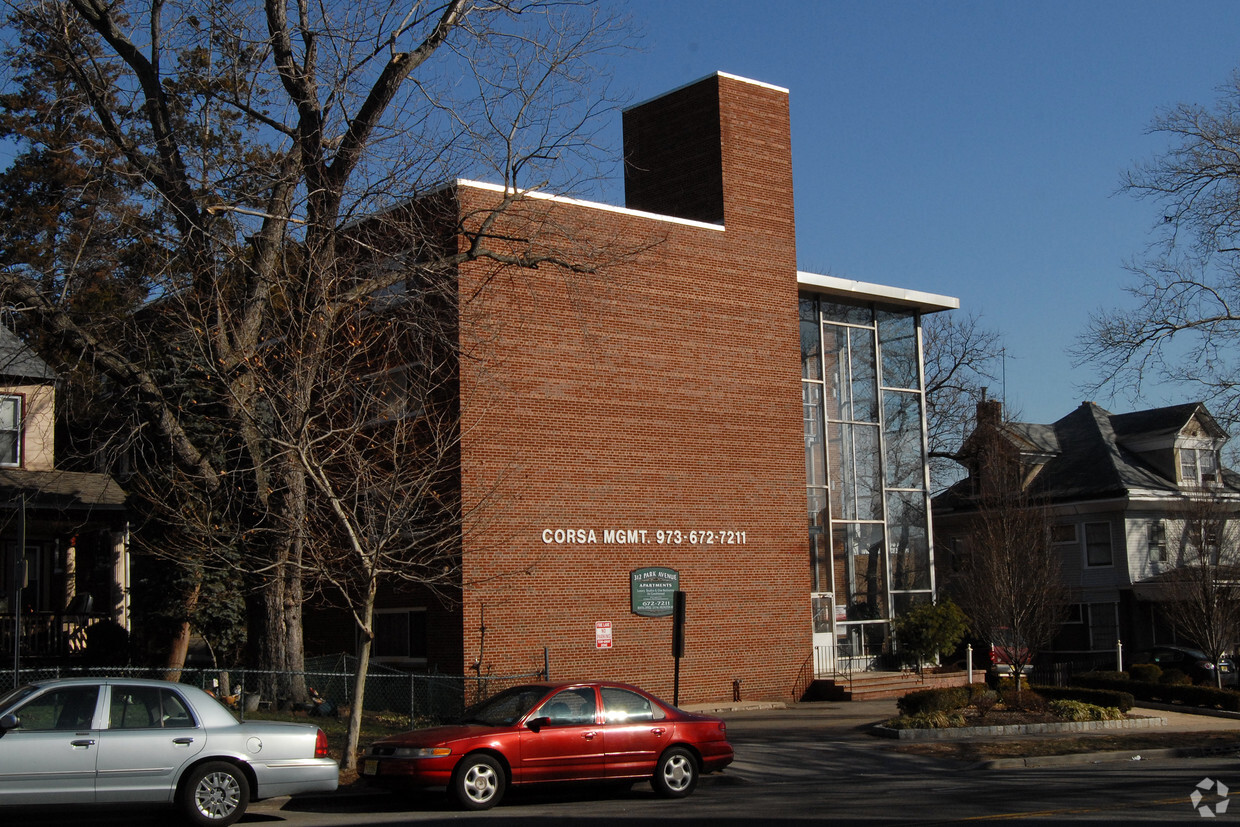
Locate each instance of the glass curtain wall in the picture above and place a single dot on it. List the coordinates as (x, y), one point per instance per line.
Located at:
(865, 466)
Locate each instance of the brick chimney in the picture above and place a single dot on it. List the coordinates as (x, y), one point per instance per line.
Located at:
(718, 150)
(989, 413)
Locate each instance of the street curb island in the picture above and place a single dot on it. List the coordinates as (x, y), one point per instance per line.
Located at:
(964, 732)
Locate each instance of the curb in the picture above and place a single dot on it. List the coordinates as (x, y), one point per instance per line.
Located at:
(1098, 757)
(965, 733)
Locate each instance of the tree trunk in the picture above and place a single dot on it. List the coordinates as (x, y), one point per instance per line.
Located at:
(180, 644)
(349, 760)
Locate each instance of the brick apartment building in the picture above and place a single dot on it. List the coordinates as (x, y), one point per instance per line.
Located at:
(641, 423)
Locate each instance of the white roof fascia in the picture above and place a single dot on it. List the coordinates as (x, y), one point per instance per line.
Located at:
(593, 205)
(865, 291)
(728, 75)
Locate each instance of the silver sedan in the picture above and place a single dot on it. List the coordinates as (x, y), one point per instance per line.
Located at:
(115, 740)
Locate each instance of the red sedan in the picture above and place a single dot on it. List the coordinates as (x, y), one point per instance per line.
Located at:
(554, 732)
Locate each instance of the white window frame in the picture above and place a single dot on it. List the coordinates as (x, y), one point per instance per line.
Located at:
(18, 430)
(1085, 545)
(1158, 541)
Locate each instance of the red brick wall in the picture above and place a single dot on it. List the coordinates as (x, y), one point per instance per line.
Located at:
(660, 392)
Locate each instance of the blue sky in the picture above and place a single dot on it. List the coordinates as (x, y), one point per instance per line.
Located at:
(972, 149)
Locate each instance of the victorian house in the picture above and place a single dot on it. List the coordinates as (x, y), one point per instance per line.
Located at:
(1121, 491)
(64, 582)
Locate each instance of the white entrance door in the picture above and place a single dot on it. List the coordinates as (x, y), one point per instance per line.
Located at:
(823, 607)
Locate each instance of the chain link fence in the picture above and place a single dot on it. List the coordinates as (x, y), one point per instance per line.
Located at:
(421, 697)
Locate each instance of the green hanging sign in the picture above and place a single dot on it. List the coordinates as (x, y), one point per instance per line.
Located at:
(651, 590)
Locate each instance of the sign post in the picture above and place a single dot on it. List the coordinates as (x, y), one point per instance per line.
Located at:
(19, 581)
(678, 640)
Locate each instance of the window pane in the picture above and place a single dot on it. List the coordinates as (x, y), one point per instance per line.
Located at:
(570, 707)
(815, 446)
(72, 708)
(1098, 544)
(835, 358)
(134, 707)
(811, 340)
(10, 430)
(897, 338)
(620, 706)
(864, 374)
(391, 635)
(908, 538)
(819, 557)
(1188, 465)
(859, 576)
(176, 714)
(867, 477)
(846, 313)
(10, 413)
(902, 437)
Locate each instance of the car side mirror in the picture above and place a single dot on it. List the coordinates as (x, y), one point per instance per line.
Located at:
(538, 723)
(8, 722)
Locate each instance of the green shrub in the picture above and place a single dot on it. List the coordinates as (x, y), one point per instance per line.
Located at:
(927, 720)
(1145, 672)
(978, 688)
(1078, 711)
(942, 699)
(983, 702)
(1204, 696)
(1026, 699)
(1102, 674)
(1174, 677)
(928, 629)
(1120, 699)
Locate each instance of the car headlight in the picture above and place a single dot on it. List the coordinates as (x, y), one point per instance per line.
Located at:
(422, 752)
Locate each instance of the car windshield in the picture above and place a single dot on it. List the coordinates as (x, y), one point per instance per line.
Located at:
(16, 695)
(506, 708)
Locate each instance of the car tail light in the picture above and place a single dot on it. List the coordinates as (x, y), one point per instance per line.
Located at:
(320, 745)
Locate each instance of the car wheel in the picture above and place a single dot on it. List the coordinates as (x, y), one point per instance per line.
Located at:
(214, 794)
(676, 774)
(478, 783)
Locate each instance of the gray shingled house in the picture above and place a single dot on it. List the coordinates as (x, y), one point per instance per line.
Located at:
(1118, 487)
(63, 534)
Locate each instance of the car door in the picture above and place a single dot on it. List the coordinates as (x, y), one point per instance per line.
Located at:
(635, 732)
(567, 744)
(50, 757)
(149, 734)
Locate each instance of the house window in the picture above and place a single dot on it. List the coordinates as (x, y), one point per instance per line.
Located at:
(388, 396)
(1097, 544)
(10, 430)
(1074, 614)
(400, 635)
(1158, 542)
(1198, 466)
(1063, 533)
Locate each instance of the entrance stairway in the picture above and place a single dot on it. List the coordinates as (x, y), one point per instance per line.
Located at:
(868, 686)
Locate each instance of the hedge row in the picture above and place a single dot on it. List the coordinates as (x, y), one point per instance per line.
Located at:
(951, 698)
(1203, 696)
(1121, 700)
(929, 701)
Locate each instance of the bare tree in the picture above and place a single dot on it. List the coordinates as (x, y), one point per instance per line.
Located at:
(1182, 326)
(1008, 580)
(960, 362)
(1203, 589)
(266, 133)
